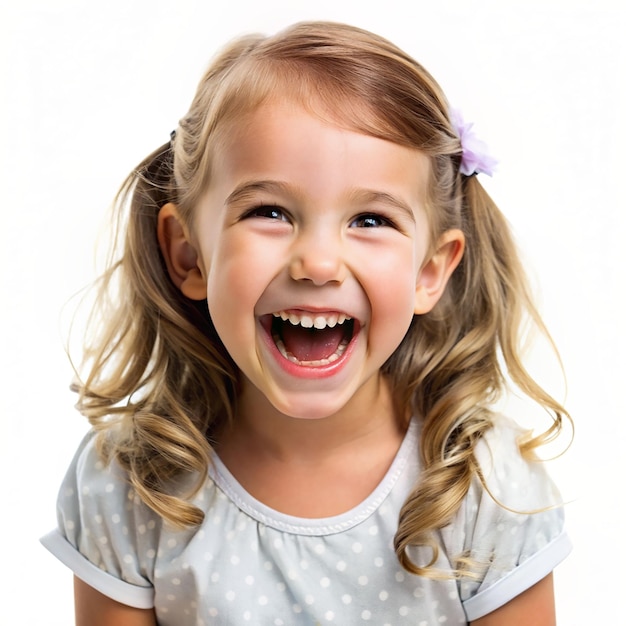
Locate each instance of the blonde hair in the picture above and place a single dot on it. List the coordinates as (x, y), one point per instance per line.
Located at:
(160, 383)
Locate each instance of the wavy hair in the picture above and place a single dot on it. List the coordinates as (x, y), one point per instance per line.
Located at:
(159, 383)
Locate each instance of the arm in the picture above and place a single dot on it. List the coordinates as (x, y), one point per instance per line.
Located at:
(95, 609)
(535, 606)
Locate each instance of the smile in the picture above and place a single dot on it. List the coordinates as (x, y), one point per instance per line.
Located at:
(312, 339)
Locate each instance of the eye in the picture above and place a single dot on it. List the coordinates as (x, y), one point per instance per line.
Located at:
(269, 212)
(370, 220)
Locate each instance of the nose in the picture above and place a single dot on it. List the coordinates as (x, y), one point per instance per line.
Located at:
(319, 258)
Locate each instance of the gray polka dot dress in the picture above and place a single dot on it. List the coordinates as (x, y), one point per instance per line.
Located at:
(249, 564)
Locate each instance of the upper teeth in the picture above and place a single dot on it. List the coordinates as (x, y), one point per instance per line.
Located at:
(318, 321)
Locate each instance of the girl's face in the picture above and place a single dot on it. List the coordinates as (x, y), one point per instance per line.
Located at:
(312, 245)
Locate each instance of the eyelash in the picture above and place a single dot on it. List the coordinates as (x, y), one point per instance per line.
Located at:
(267, 211)
(275, 212)
(370, 217)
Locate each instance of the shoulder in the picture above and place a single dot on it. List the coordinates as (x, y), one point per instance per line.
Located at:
(101, 518)
(509, 530)
(513, 480)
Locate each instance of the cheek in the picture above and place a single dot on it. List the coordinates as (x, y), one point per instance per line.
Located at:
(391, 292)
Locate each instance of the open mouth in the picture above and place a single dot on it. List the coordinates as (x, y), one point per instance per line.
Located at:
(312, 339)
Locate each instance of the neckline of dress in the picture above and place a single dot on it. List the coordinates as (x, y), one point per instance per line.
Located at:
(272, 518)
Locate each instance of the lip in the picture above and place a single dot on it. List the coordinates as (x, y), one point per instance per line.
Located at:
(307, 371)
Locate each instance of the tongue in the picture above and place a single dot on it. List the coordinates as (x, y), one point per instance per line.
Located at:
(308, 344)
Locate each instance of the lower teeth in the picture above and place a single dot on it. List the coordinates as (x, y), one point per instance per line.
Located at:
(327, 361)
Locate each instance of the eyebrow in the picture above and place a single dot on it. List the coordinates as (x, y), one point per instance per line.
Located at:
(371, 196)
(249, 188)
(357, 196)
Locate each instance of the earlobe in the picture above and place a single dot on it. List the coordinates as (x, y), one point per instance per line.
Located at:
(436, 272)
(180, 256)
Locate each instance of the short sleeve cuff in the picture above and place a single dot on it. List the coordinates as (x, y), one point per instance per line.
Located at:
(114, 588)
(518, 580)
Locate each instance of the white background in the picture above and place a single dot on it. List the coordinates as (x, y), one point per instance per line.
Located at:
(89, 88)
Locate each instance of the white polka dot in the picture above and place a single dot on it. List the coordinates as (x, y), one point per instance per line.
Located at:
(208, 556)
(373, 530)
(69, 525)
(278, 543)
(234, 559)
(325, 582)
(230, 535)
(151, 553)
(109, 488)
(304, 564)
(281, 586)
(383, 595)
(151, 524)
(128, 558)
(443, 619)
(141, 529)
(263, 600)
(418, 592)
(213, 612)
(320, 548)
(268, 566)
(215, 577)
(309, 599)
(230, 596)
(171, 543)
(366, 615)
(329, 616)
(296, 608)
(249, 580)
(341, 566)
(98, 519)
(103, 540)
(363, 580)
(115, 518)
(399, 576)
(378, 561)
(404, 611)
(171, 597)
(176, 581)
(247, 616)
(279, 622)
(514, 530)
(357, 548)
(346, 599)
(99, 465)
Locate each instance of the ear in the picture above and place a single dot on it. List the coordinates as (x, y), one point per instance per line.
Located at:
(180, 256)
(434, 275)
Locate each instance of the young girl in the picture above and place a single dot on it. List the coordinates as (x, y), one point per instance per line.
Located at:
(294, 359)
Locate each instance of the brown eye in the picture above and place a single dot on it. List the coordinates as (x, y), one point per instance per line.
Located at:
(269, 212)
(369, 220)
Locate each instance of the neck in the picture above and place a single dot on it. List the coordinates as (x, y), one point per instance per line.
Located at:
(259, 429)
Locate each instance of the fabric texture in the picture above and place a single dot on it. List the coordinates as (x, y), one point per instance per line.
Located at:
(250, 564)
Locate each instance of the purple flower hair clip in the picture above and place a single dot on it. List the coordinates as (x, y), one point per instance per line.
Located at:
(475, 159)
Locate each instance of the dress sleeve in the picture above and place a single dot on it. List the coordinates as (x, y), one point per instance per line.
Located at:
(512, 532)
(105, 535)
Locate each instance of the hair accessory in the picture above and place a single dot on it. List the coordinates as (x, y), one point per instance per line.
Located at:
(475, 159)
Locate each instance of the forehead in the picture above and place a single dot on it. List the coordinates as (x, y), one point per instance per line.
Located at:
(284, 143)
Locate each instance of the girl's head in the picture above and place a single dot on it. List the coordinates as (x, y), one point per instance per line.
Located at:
(157, 347)
(343, 75)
